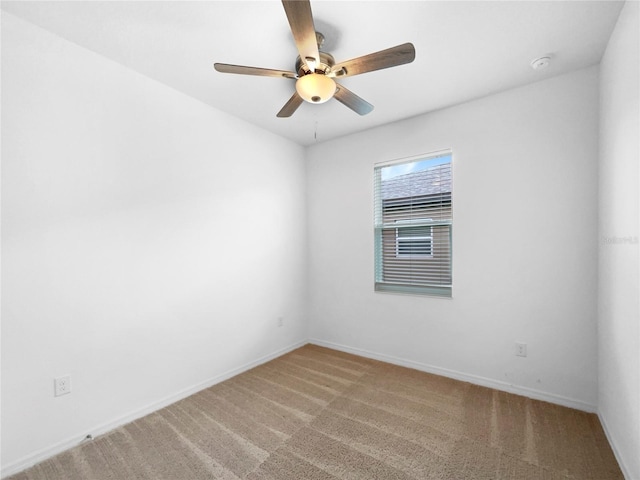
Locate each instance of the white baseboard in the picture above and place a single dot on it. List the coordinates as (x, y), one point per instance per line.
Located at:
(48, 452)
(465, 377)
(625, 470)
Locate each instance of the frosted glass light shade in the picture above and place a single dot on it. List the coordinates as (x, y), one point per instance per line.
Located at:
(315, 88)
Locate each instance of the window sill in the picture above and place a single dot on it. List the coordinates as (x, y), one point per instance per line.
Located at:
(432, 291)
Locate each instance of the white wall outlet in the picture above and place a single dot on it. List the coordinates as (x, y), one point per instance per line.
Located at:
(62, 385)
(521, 349)
(280, 321)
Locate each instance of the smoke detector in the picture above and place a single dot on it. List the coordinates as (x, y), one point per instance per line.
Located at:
(540, 63)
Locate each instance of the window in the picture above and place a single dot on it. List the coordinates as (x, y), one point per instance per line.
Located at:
(413, 226)
(414, 241)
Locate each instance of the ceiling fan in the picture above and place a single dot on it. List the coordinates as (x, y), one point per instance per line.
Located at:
(316, 71)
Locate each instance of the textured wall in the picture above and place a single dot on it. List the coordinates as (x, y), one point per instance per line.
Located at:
(150, 243)
(619, 266)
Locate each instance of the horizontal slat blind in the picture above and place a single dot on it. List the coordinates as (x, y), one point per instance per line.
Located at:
(413, 227)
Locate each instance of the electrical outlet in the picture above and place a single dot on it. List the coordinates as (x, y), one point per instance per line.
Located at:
(521, 349)
(280, 321)
(62, 385)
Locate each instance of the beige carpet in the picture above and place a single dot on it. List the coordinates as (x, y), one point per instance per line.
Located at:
(320, 414)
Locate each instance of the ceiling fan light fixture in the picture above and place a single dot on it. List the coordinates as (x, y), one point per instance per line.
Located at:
(315, 88)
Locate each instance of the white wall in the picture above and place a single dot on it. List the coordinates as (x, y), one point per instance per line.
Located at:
(619, 265)
(524, 247)
(149, 243)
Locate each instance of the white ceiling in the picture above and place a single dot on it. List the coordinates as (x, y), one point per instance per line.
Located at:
(464, 50)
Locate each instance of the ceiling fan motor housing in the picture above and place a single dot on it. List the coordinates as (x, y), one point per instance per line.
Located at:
(324, 66)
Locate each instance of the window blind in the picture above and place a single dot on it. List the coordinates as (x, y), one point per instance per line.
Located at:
(413, 226)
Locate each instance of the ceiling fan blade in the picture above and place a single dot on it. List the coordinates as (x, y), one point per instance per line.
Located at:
(261, 72)
(304, 32)
(291, 106)
(353, 101)
(390, 57)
